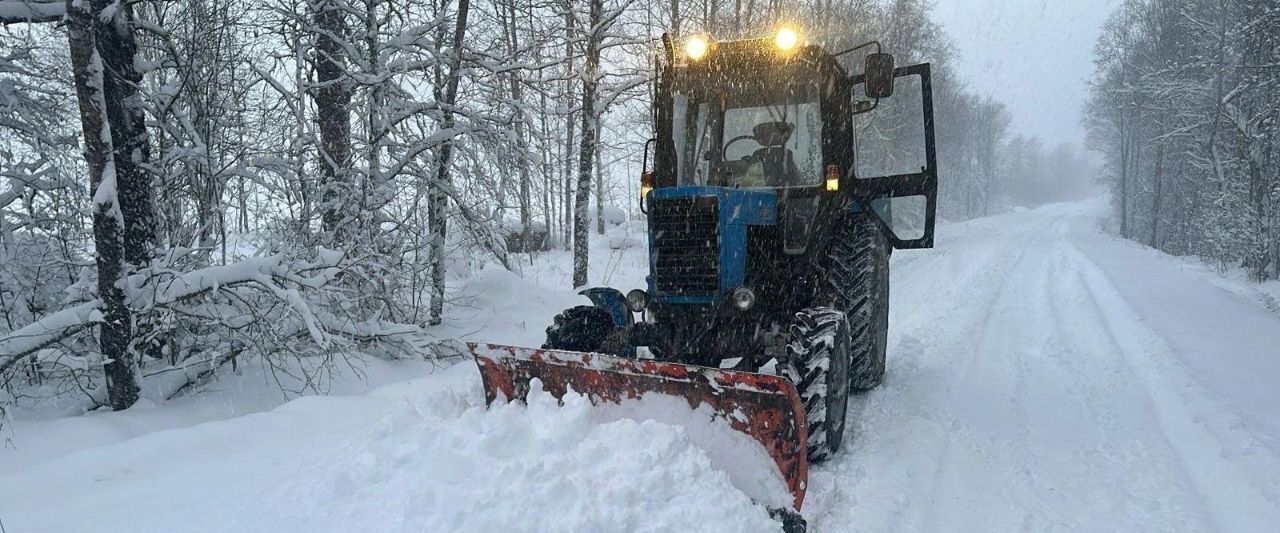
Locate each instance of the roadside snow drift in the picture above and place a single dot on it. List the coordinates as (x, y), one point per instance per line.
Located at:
(425, 455)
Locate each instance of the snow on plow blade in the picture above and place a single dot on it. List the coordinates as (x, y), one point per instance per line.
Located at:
(767, 408)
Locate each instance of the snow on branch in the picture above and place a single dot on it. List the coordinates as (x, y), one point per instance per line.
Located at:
(261, 305)
(275, 295)
(31, 11)
(52, 328)
(178, 287)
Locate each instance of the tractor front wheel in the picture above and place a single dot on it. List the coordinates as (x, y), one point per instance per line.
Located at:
(818, 357)
(583, 328)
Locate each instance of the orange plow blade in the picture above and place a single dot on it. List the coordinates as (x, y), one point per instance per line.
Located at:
(765, 407)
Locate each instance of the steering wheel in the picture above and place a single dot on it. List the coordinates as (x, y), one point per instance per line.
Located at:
(724, 153)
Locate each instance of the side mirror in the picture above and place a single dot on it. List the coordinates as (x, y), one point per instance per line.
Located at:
(878, 70)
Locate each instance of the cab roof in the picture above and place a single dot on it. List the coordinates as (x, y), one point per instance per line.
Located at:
(752, 57)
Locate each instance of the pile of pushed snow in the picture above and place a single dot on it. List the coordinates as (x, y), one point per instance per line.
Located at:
(425, 455)
(744, 460)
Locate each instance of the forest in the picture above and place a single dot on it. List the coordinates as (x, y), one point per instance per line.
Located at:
(193, 185)
(1185, 113)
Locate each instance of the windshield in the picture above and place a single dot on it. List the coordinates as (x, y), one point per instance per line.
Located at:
(748, 135)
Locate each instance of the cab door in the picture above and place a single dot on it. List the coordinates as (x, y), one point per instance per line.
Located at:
(895, 170)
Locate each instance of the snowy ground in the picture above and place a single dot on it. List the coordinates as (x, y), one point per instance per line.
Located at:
(1042, 377)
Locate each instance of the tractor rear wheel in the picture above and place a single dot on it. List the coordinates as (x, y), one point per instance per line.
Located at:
(818, 357)
(857, 274)
(583, 328)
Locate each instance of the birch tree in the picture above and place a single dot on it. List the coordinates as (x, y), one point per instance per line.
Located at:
(103, 52)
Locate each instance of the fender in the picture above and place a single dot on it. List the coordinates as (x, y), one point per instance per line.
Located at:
(611, 300)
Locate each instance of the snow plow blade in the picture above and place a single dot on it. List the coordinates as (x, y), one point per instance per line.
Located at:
(765, 407)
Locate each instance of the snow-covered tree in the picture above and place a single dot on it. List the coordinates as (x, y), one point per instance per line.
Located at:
(1184, 112)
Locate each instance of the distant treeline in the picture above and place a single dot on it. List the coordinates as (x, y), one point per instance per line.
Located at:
(1186, 112)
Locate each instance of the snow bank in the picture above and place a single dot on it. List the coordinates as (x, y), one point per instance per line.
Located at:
(500, 306)
(491, 304)
(424, 455)
(626, 237)
(59, 426)
(614, 215)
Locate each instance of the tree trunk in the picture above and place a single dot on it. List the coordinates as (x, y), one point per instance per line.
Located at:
(333, 116)
(567, 175)
(1155, 201)
(377, 191)
(566, 181)
(298, 148)
(243, 197)
(522, 143)
(115, 146)
(548, 176)
(438, 200)
(599, 183)
(116, 45)
(675, 17)
(581, 227)
(1124, 177)
(1257, 256)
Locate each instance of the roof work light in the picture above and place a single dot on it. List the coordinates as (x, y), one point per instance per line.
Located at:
(696, 47)
(786, 39)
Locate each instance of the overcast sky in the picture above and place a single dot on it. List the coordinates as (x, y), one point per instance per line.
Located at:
(1034, 55)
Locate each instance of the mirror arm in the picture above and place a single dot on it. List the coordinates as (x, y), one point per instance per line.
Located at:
(859, 47)
(873, 107)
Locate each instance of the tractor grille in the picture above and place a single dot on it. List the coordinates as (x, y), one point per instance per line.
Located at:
(686, 245)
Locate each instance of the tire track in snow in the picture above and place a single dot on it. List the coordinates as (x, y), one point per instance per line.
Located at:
(1102, 464)
(1020, 398)
(992, 468)
(988, 416)
(1193, 424)
(912, 417)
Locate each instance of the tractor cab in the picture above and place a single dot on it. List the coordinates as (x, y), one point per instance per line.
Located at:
(730, 129)
(760, 146)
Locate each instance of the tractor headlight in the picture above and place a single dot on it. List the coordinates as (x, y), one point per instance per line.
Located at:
(637, 300)
(786, 39)
(743, 298)
(696, 47)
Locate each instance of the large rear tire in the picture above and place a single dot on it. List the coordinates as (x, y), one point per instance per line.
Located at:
(583, 328)
(818, 356)
(857, 277)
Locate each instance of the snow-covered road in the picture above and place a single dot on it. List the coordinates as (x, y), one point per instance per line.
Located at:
(1042, 376)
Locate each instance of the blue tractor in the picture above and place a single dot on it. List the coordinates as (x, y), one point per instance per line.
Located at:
(780, 184)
